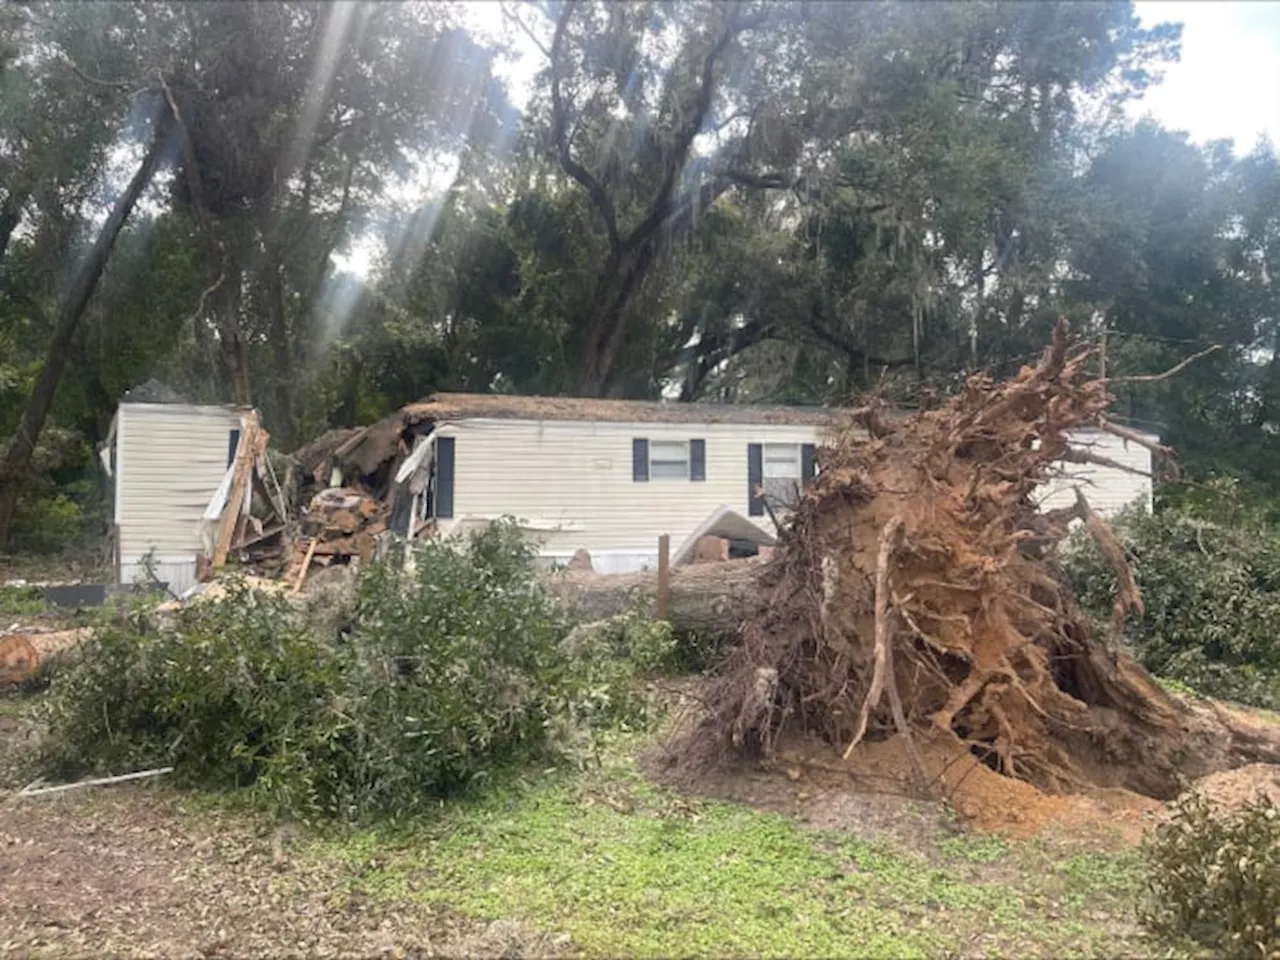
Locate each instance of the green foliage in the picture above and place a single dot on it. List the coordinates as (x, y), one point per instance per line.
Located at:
(52, 520)
(438, 676)
(1212, 596)
(613, 656)
(21, 601)
(881, 197)
(1215, 879)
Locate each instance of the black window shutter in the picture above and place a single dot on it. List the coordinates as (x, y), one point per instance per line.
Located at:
(808, 469)
(755, 477)
(697, 459)
(639, 459)
(444, 477)
(401, 510)
(233, 444)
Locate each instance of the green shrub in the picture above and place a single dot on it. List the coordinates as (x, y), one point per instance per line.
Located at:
(67, 520)
(1212, 597)
(436, 677)
(610, 657)
(21, 601)
(1215, 880)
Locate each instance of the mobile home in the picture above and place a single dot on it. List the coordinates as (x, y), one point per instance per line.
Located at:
(612, 476)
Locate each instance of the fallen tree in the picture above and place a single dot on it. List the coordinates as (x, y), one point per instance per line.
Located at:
(710, 599)
(914, 595)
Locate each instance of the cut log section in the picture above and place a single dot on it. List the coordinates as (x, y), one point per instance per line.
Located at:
(22, 654)
(709, 599)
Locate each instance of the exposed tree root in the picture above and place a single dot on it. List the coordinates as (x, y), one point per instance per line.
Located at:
(916, 570)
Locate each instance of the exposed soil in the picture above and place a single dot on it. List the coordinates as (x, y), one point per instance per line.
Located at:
(124, 872)
(874, 794)
(1230, 790)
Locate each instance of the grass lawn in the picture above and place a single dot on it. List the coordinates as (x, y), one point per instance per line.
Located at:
(599, 862)
(626, 868)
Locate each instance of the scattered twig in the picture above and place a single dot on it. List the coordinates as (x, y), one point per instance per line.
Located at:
(33, 790)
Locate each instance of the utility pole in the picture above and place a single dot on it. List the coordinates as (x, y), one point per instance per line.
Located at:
(1102, 355)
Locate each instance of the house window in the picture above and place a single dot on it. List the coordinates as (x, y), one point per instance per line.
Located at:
(782, 473)
(668, 460)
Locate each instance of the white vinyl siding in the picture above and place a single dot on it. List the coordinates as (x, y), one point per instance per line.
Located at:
(169, 460)
(1108, 490)
(572, 482)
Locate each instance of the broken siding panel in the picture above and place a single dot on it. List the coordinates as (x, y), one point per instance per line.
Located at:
(1107, 489)
(171, 459)
(580, 476)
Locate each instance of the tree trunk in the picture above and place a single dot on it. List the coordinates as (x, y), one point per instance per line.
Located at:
(711, 599)
(18, 455)
(716, 599)
(222, 279)
(229, 338)
(10, 217)
(282, 356)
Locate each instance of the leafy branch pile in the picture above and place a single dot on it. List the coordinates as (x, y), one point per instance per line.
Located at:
(1212, 596)
(428, 684)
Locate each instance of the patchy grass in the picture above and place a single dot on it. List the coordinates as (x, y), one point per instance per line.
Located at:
(21, 601)
(625, 868)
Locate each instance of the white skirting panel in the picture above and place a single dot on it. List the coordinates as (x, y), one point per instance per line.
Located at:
(178, 572)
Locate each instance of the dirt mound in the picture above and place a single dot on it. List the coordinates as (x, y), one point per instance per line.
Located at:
(1229, 790)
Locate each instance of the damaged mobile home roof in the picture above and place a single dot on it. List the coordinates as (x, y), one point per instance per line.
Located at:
(368, 448)
(469, 406)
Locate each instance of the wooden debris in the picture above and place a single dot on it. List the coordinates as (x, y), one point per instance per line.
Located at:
(245, 454)
(306, 563)
(339, 525)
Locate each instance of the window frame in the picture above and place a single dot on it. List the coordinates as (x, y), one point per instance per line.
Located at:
(795, 477)
(688, 459)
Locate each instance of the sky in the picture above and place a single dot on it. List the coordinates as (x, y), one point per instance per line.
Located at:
(1226, 85)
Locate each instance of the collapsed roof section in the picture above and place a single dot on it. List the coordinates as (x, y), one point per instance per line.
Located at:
(371, 451)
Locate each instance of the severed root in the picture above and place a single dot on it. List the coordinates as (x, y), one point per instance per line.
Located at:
(881, 662)
(882, 677)
(1127, 598)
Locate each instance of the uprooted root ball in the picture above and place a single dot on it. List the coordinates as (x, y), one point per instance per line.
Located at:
(914, 593)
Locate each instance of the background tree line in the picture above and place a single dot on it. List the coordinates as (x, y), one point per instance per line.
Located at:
(746, 202)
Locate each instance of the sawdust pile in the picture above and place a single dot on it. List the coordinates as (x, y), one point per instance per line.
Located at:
(913, 596)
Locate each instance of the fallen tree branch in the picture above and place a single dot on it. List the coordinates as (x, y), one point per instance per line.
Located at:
(31, 790)
(1074, 455)
(1154, 377)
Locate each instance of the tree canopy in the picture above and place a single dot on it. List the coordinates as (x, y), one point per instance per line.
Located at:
(702, 199)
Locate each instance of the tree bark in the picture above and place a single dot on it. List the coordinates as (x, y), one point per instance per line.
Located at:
(711, 599)
(17, 456)
(282, 355)
(230, 340)
(10, 217)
